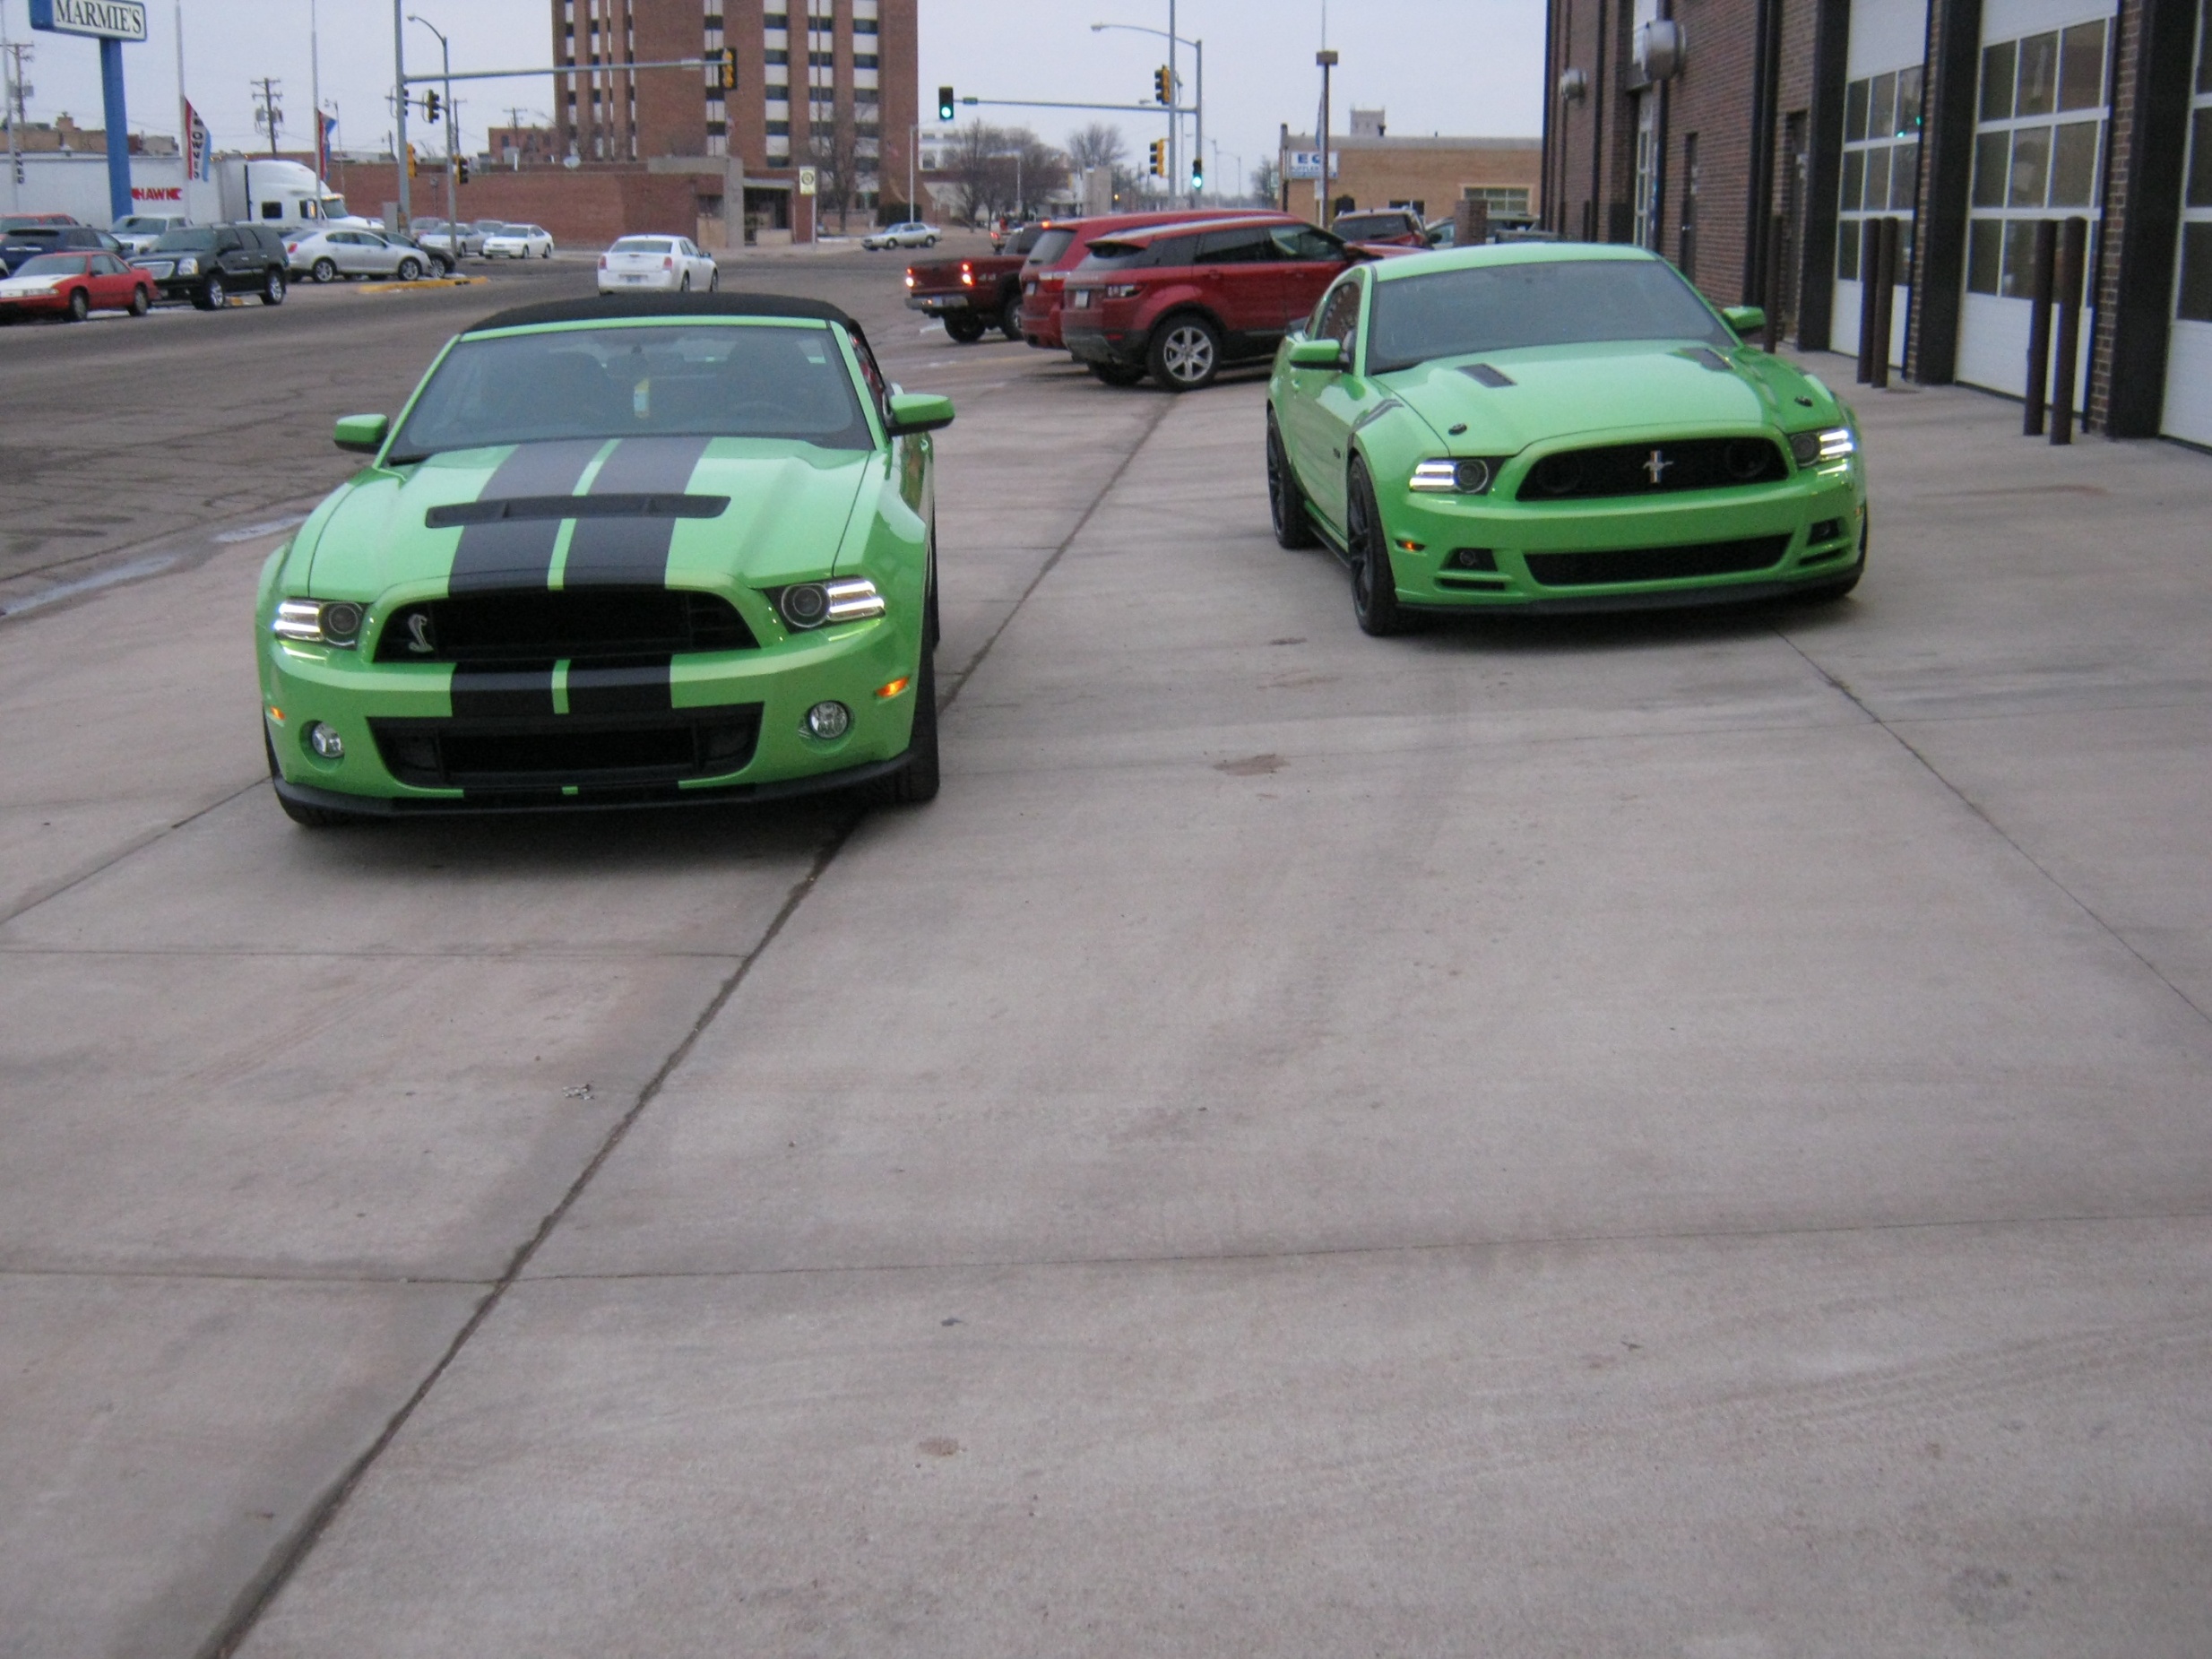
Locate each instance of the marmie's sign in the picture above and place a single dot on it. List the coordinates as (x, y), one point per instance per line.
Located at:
(106, 20)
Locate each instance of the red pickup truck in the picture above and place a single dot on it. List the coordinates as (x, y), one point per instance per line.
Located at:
(974, 295)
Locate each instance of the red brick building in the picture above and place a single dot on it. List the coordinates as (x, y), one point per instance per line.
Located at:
(825, 92)
(1752, 142)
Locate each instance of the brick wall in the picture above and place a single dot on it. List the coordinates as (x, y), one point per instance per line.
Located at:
(671, 103)
(1374, 177)
(2127, 81)
(747, 103)
(899, 75)
(586, 208)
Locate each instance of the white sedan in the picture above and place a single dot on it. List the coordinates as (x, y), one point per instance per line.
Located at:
(519, 242)
(912, 234)
(325, 256)
(668, 264)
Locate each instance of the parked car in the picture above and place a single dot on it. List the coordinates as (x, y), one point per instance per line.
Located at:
(519, 242)
(673, 265)
(138, 232)
(1547, 428)
(325, 256)
(456, 243)
(73, 286)
(1385, 227)
(913, 233)
(974, 295)
(1063, 245)
(749, 609)
(26, 242)
(208, 264)
(22, 222)
(1183, 301)
(436, 261)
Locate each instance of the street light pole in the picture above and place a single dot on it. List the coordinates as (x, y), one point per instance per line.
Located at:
(1175, 109)
(398, 106)
(1175, 121)
(453, 136)
(1328, 60)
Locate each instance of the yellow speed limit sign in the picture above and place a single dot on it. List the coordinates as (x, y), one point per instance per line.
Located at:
(805, 181)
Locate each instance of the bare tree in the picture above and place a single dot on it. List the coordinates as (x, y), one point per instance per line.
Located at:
(1268, 184)
(1099, 144)
(1000, 170)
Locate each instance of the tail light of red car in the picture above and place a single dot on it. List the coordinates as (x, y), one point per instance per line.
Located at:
(967, 274)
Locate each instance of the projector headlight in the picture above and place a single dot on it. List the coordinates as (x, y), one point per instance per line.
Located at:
(811, 604)
(1471, 475)
(312, 622)
(1810, 449)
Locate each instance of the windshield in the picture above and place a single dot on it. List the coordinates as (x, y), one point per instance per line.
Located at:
(1050, 244)
(51, 265)
(1549, 303)
(1358, 227)
(197, 241)
(692, 378)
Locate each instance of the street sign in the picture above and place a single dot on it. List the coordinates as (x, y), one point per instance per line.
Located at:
(1307, 164)
(103, 20)
(805, 181)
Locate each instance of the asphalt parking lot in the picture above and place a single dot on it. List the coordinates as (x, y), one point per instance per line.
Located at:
(1680, 1136)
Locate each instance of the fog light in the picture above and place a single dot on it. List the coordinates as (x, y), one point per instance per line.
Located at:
(1826, 529)
(325, 742)
(1474, 558)
(829, 721)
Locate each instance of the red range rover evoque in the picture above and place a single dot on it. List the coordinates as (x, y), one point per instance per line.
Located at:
(1183, 300)
(1063, 245)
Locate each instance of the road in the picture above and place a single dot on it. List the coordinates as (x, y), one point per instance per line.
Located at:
(1600, 1138)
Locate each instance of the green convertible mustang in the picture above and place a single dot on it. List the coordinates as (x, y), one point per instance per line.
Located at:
(1549, 427)
(616, 552)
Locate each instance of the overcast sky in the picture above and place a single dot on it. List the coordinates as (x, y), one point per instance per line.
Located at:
(1457, 66)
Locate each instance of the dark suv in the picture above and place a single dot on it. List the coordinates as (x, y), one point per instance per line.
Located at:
(1182, 302)
(208, 264)
(24, 240)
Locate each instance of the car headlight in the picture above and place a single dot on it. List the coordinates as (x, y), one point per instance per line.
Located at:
(188, 267)
(1810, 449)
(811, 604)
(316, 622)
(1465, 475)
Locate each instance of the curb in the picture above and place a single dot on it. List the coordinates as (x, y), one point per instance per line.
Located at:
(418, 284)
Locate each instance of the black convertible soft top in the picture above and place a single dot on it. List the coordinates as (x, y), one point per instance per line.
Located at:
(612, 307)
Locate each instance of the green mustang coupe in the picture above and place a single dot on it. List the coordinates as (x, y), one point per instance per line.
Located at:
(616, 552)
(1555, 427)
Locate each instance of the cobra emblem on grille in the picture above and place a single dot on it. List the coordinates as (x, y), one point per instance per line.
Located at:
(419, 639)
(1657, 467)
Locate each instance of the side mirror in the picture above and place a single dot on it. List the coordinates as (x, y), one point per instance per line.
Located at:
(1320, 354)
(363, 434)
(919, 411)
(1746, 320)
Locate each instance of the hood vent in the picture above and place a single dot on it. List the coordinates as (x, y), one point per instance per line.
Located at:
(513, 507)
(1488, 375)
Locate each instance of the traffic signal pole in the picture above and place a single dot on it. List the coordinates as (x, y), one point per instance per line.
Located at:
(1175, 120)
(398, 108)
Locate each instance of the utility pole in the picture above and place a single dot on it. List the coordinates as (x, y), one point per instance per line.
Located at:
(398, 106)
(315, 85)
(271, 114)
(16, 54)
(453, 138)
(1175, 121)
(1326, 58)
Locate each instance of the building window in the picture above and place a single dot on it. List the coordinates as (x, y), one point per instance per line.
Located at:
(865, 26)
(864, 60)
(1504, 201)
(2193, 293)
(1881, 164)
(1647, 168)
(779, 129)
(2036, 147)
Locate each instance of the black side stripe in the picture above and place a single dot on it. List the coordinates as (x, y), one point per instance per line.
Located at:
(631, 551)
(512, 691)
(519, 552)
(640, 687)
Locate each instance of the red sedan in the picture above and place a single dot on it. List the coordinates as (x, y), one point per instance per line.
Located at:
(73, 286)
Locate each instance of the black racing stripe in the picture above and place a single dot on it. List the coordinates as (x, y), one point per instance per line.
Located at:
(512, 691)
(638, 687)
(632, 552)
(519, 552)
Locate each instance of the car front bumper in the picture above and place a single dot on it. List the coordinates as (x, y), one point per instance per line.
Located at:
(1758, 542)
(34, 305)
(537, 739)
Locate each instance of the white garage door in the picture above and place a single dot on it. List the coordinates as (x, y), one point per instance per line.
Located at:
(2188, 349)
(2038, 149)
(1881, 153)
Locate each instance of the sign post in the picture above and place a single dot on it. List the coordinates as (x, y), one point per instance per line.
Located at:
(110, 22)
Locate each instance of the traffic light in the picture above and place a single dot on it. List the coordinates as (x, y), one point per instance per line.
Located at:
(1162, 86)
(1197, 177)
(945, 103)
(432, 105)
(461, 163)
(729, 67)
(410, 160)
(1159, 158)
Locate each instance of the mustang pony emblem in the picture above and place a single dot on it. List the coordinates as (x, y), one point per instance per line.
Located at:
(1657, 467)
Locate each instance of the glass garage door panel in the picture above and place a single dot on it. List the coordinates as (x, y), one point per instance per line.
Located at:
(1881, 155)
(2188, 347)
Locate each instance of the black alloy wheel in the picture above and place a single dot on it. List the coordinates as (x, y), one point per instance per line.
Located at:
(1185, 354)
(1010, 318)
(211, 297)
(1374, 586)
(409, 270)
(1286, 502)
(1116, 374)
(324, 270)
(965, 330)
(272, 289)
(80, 305)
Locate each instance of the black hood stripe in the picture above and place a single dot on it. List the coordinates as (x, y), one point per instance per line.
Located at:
(631, 551)
(519, 552)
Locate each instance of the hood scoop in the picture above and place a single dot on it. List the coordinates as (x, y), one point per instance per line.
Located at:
(509, 508)
(1488, 375)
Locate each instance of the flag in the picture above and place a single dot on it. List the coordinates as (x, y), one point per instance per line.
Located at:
(199, 147)
(324, 125)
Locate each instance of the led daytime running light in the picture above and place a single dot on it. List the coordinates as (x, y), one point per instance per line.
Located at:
(852, 600)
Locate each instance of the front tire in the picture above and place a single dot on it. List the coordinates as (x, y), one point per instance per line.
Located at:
(210, 297)
(1185, 354)
(142, 302)
(916, 780)
(272, 289)
(1286, 502)
(307, 817)
(714, 280)
(409, 270)
(80, 307)
(1374, 585)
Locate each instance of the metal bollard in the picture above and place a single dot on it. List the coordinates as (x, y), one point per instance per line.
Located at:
(1870, 249)
(1885, 300)
(2073, 254)
(1778, 231)
(2039, 326)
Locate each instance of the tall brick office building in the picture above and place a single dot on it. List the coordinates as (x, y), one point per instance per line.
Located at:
(830, 85)
(1966, 121)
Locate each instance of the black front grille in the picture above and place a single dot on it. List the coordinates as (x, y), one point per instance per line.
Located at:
(541, 625)
(1657, 469)
(1677, 564)
(608, 752)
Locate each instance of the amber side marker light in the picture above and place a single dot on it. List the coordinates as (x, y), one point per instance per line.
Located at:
(276, 714)
(895, 687)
